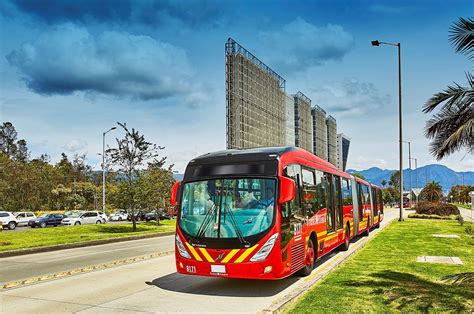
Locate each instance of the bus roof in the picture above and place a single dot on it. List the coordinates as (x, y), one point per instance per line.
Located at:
(243, 155)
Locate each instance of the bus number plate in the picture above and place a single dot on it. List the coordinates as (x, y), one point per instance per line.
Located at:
(220, 269)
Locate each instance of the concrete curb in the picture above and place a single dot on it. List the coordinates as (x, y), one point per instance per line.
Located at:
(21, 283)
(281, 304)
(82, 244)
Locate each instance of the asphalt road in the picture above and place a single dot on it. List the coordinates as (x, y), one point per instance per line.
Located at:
(154, 286)
(34, 265)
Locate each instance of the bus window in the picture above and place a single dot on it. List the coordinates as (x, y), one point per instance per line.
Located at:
(322, 190)
(361, 199)
(346, 192)
(337, 201)
(380, 200)
(330, 207)
(293, 207)
(376, 201)
(309, 192)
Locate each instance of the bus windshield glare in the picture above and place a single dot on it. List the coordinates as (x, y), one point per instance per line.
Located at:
(227, 208)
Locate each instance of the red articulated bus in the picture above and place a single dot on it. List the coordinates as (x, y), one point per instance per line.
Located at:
(266, 213)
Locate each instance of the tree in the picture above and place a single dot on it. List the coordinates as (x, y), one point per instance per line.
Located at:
(133, 152)
(451, 129)
(384, 183)
(432, 192)
(8, 136)
(359, 175)
(21, 153)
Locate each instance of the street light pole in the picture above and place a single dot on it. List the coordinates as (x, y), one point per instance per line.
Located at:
(416, 177)
(409, 166)
(400, 120)
(103, 167)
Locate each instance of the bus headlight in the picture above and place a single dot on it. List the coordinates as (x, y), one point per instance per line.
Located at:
(182, 251)
(265, 250)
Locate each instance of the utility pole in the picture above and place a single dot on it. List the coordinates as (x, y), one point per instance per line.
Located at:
(103, 167)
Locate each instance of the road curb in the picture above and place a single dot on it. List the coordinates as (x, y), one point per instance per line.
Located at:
(281, 304)
(82, 244)
(83, 270)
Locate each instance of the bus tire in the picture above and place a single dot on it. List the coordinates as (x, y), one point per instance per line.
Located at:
(347, 240)
(378, 224)
(309, 258)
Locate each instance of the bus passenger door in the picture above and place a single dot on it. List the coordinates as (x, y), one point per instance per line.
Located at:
(292, 212)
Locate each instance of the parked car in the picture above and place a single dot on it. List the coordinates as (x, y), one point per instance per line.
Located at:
(161, 213)
(24, 217)
(139, 216)
(8, 220)
(103, 216)
(46, 220)
(118, 216)
(83, 218)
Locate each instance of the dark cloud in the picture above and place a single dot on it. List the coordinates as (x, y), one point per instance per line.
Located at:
(70, 59)
(299, 45)
(350, 97)
(151, 12)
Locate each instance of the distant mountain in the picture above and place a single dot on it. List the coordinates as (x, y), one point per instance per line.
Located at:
(439, 173)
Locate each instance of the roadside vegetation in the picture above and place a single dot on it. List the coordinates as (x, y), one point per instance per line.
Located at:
(137, 178)
(73, 234)
(385, 277)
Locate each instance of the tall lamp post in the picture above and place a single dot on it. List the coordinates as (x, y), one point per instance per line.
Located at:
(409, 166)
(103, 167)
(400, 125)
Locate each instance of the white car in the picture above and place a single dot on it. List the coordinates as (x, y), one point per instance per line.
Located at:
(24, 217)
(103, 216)
(118, 216)
(83, 218)
(8, 220)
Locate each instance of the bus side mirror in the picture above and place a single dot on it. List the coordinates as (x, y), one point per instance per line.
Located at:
(287, 190)
(174, 193)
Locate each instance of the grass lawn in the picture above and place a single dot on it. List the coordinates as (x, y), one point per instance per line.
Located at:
(385, 277)
(71, 234)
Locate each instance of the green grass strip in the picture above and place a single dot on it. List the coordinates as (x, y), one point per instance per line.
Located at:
(385, 277)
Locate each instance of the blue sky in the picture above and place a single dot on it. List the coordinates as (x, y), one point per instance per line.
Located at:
(70, 69)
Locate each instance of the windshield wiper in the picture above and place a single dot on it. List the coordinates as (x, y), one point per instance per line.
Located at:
(205, 223)
(236, 226)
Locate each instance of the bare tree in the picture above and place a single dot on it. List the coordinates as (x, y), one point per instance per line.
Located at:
(132, 153)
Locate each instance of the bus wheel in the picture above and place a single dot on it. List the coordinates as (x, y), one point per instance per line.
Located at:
(378, 224)
(347, 241)
(308, 261)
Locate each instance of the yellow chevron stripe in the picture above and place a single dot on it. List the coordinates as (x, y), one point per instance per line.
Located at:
(322, 234)
(193, 251)
(331, 236)
(206, 255)
(246, 253)
(230, 255)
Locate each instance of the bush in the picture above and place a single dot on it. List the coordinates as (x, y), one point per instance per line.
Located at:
(469, 229)
(460, 219)
(441, 209)
(424, 216)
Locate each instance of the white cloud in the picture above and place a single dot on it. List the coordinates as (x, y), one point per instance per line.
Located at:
(75, 145)
(299, 45)
(71, 59)
(349, 97)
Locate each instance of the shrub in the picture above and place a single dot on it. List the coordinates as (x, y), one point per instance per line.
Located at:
(424, 216)
(460, 219)
(441, 209)
(469, 229)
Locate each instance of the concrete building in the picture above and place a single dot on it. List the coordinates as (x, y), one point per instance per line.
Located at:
(303, 122)
(255, 101)
(290, 120)
(343, 143)
(332, 139)
(320, 138)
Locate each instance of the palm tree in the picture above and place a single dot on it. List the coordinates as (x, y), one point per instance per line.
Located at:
(432, 192)
(451, 129)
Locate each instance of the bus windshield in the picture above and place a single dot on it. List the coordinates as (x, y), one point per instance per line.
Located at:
(227, 208)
